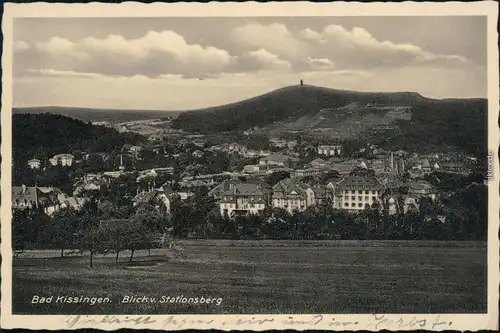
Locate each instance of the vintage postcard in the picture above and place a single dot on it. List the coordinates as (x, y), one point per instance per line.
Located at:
(250, 166)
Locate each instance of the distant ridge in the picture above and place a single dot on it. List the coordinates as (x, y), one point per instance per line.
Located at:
(288, 103)
(97, 115)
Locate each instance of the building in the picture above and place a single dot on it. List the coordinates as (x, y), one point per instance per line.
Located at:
(319, 163)
(390, 181)
(322, 195)
(401, 202)
(62, 159)
(292, 144)
(227, 185)
(80, 189)
(184, 195)
(165, 170)
(378, 165)
(294, 196)
(291, 196)
(242, 199)
(198, 153)
(155, 137)
(135, 150)
(422, 189)
(278, 143)
(112, 174)
(199, 142)
(455, 167)
(344, 168)
(329, 150)
(95, 156)
(306, 172)
(25, 197)
(34, 197)
(34, 163)
(251, 168)
(75, 203)
(275, 160)
(426, 167)
(92, 177)
(160, 198)
(357, 192)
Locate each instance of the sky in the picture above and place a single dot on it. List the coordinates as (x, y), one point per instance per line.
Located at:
(190, 63)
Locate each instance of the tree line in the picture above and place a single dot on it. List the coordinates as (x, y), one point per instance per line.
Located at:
(105, 226)
(465, 219)
(97, 228)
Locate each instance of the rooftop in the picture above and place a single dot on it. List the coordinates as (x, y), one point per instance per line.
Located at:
(359, 182)
(276, 157)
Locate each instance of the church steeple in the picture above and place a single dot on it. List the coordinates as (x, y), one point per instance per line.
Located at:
(122, 167)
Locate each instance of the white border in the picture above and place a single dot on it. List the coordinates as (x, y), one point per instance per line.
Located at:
(368, 322)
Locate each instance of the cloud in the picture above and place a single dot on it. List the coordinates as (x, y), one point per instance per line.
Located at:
(59, 73)
(261, 59)
(311, 35)
(153, 54)
(254, 46)
(58, 47)
(320, 63)
(275, 37)
(308, 49)
(360, 49)
(21, 46)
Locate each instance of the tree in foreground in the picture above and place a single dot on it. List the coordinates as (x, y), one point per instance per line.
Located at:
(61, 233)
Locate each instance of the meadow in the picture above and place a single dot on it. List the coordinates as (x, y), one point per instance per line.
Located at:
(264, 277)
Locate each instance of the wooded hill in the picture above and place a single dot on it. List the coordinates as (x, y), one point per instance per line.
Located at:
(44, 135)
(451, 122)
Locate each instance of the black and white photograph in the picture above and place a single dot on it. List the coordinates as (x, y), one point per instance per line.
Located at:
(162, 165)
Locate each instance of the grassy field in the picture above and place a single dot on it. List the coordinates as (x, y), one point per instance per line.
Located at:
(265, 277)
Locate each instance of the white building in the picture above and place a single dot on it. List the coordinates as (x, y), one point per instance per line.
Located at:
(275, 160)
(34, 163)
(291, 197)
(242, 199)
(294, 196)
(62, 159)
(251, 168)
(306, 172)
(357, 192)
(329, 150)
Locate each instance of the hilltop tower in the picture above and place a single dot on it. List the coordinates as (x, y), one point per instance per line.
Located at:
(301, 82)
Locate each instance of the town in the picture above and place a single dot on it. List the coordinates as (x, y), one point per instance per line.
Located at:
(255, 177)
